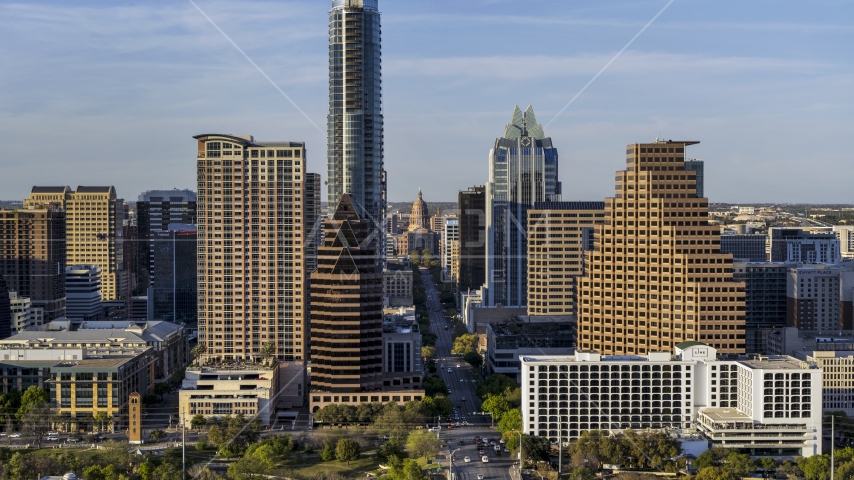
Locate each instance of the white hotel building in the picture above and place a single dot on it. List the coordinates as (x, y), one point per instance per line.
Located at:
(770, 405)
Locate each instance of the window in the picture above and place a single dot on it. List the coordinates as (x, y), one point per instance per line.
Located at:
(214, 149)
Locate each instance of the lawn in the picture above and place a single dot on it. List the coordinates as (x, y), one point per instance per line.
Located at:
(302, 465)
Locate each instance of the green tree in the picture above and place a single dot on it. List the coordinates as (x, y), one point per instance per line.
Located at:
(34, 397)
(474, 359)
(415, 257)
(816, 467)
(216, 436)
(145, 471)
(535, 448)
(347, 450)
(198, 421)
(428, 352)
(433, 385)
(391, 448)
(10, 402)
(790, 470)
(422, 444)
(427, 258)
(407, 469)
(268, 350)
(439, 405)
(199, 350)
(37, 421)
(583, 473)
(768, 464)
(392, 422)
(495, 385)
(497, 405)
(166, 471)
(200, 472)
(464, 344)
(327, 454)
(845, 471)
(101, 418)
(157, 435)
(511, 421)
(715, 473)
(740, 465)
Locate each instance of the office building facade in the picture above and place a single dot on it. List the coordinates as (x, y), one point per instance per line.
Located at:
(313, 221)
(450, 234)
(810, 246)
(698, 166)
(819, 297)
(523, 170)
(33, 255)
(83, 287)
(558, 235)
(346, 307)
(6, 323)
(155, 211)
(765, 300)
(251, 248)
(355, 122)
(174, 274)
(845, 234)
(472, 259)
(746, 248)
(657, 276)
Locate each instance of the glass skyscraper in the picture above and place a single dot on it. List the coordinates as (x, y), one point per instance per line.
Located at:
(355, 121)
(522, 171)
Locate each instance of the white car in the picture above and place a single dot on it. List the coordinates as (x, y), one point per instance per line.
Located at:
(485, 459)
(467, 459)
(458, 365)
(434, 429)
(15, 435)
(449, 370)
(479, 476)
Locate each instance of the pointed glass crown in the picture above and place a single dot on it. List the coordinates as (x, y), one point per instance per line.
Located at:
(524, 125)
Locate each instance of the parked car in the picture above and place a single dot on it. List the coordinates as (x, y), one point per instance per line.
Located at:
(15, 435)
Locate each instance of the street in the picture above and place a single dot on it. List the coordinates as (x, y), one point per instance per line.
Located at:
(459, 380)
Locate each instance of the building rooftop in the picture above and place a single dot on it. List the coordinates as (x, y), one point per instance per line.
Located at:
(82, 189)
(50, 189)
(569, 206)
(725, 415)
(595, 357)
(96, 362)
(777, 362)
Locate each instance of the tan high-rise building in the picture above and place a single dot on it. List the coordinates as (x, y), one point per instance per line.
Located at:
(251, 241)
(558, 235)
(346, 307)
(93, 227)
(656, 276)
(32, 256)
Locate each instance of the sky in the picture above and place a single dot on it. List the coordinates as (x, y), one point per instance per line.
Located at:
(111, 92)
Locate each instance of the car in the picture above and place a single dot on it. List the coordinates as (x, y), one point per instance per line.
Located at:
(467, 459)
(15, 435)
(497, 448)
(464, 399)
(502, 441)
(446, 327)
(458, 365)
(73, 440)
(480, 452)
(461, 443)
(492, 442)
(484, 459)
(433, 429)
(2, 434)
(456, 424)
(449, 370)
(479, 476)
(506, 450)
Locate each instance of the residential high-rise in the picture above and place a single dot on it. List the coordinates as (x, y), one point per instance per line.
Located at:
(346, 307)
(657, 276)
(174, 279)
(83, 283)
(251, 247)
(313, 222)
(355, 121)
(558, 235)
(472, 258)
(450, 235)
(845, 233)
(819, 297)
(32, 255)
(155, 211)
(523, 170)
(94, 218)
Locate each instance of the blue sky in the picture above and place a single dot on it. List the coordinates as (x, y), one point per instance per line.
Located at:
(111, 92)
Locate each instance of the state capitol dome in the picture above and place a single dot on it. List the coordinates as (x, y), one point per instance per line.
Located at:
(419, 219)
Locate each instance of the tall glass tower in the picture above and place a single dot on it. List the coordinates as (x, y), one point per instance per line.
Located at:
(522, 171)
(355, 121)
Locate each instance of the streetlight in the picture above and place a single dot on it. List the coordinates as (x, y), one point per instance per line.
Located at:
(450, 463)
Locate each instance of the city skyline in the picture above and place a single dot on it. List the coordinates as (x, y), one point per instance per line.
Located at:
(753, 89)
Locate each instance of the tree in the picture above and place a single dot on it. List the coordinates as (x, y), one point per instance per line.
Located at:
(347, 450)
(327, 454)
(583, 473)
(790, 470)
(740, 465)
(34, 397)
(816, 467)
(415, 257)
(10, 402)
(200, 472)
(407, 469)
(427, 258)
(439, 406)
(157, 435)
(495, 385)
(268, 350)
(37, 421)
(715, 473)
(535, 448)
(161, 389)
(496, 405)
(391, 448)
(511, 421)
(198, 421)
(768, 464)
(199, 350)
(422, 444)
(464, 344)
(428, 352)
(433, 385)
(101, 417)
(845, 471)
(474, 359)
(392, 422)
(216, 436)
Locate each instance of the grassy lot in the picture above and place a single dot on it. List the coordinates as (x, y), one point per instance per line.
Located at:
(301, 465)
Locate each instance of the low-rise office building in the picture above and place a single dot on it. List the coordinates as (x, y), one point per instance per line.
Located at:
(401, 349)
(397, 286)
(530, 335)
(239, 389)
(768, 405)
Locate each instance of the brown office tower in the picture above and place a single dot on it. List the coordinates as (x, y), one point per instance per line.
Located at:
(656, 276)
(558, 235)
(251, 288)
(346, 307)
(32, 256)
